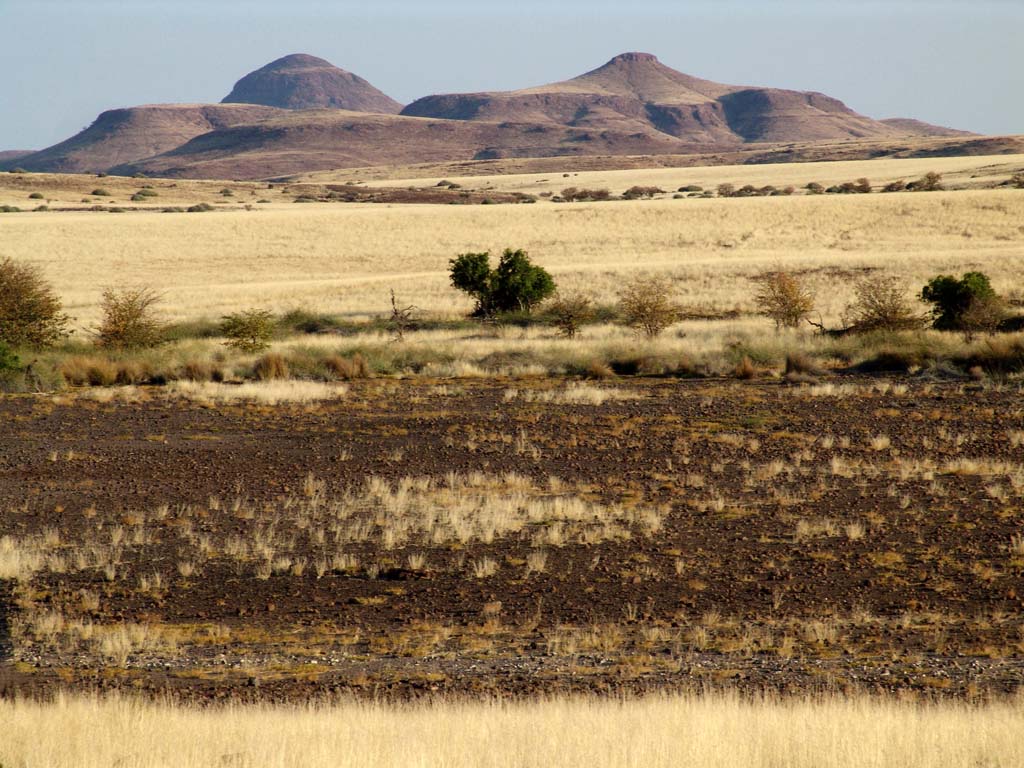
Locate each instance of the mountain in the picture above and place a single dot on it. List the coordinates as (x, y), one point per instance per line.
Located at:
(10, 155)
(300, 113)
(910, 127)
(127, 135)
(636, 92)
(300, 81)
(295, 142)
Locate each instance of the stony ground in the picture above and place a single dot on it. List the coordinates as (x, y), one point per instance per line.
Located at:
(508, 537)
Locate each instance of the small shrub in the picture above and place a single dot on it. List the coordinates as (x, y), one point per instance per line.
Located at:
(881, 304)
(10, 364)
(814, 188)
(30, 311)
(637, 192)
(100, 192)
(895, 186)
(985, 314)
(271, 366)
(930, 182)
(200, 208)
(249, 331)
(36, 196)
(572, 194)
(646, 305)
(951, 298)
(782, 297)
(129, 319)
(570, 312)
(9, 209)
(227, 192)
(691, 188)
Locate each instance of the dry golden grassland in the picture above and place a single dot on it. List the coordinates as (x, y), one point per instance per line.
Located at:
(344, 258)
(649, 733)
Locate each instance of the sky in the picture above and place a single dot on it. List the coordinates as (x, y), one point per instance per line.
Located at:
(958, 63)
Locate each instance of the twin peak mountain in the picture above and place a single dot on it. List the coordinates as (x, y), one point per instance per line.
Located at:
(301, 113)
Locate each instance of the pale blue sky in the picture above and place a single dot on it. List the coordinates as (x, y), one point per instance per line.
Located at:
(954, 62)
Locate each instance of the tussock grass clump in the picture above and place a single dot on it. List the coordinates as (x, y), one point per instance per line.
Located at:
(91, 370)
(354, 366)
(271, 366)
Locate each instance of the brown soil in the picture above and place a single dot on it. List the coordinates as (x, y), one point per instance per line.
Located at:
(753, 581)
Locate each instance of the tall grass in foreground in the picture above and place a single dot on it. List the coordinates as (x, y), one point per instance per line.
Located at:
(660, 731)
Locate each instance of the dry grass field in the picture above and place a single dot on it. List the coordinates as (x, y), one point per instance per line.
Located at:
(718, 732)
(344, 258)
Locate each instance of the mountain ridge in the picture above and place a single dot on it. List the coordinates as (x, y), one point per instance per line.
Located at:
(632, 104)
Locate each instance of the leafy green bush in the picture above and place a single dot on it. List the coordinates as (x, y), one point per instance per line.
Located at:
(30, 311)
(516, 284)
(952, 298)
(248, 331)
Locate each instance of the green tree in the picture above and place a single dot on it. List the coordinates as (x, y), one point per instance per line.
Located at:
(952, 298)
(248, 331)
(516, 284)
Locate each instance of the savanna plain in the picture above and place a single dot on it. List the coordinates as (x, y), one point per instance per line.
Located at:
(399, 536)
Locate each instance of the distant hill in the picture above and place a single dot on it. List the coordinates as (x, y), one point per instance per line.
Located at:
(126, 135)
(636, 92)
(300, 141)
(300, 81)
(8, 155)
(909, 127)
(301, 113)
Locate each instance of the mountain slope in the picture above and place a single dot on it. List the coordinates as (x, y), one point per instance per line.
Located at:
(126, 135)
(300, 81)
(910, 127)
(323, 139)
